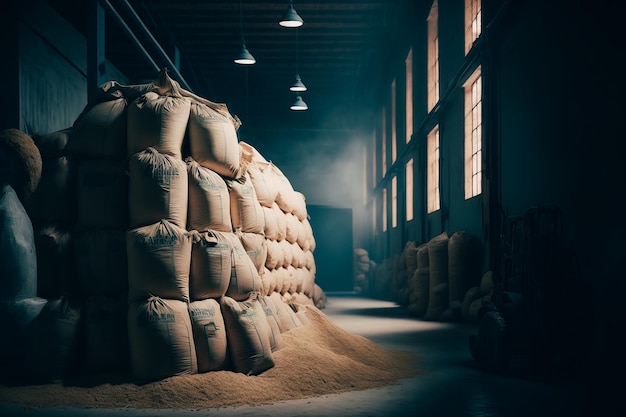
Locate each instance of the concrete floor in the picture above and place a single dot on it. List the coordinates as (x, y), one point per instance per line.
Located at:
(454, 386)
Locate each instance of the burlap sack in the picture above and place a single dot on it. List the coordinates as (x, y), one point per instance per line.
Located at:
(245, 210)
(270, 225)
(438, 275)
(159, 260)
(100, 132)
(211, 265)
(101, 262)
(102, 195)
(157, 121)
(161, 339)
(213, 140)
(104, 334)
(255, 246)
(209, 334)
(271, 312)
(209, 199)
(248, 333)
(157, 189)
(261, 174)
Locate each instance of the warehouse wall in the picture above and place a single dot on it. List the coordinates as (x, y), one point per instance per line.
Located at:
(561, 130)
(50, 67)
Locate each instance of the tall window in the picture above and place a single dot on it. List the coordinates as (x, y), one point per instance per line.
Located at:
(473, 22)
(473, 135)
(374, 147)
(383, 136)
(408, 174)
(408, 64)
(374, 214)
(433, 56)
(384, 210)
(432, 179)
(394, 202)
(394, 145)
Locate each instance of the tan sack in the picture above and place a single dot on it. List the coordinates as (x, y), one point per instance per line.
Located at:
(55, 260)
(209, 334)
(101, 131)
(464, 264)
(209, 199)
(54, 144)
(271, 312)
(102, 195)
(54, 199)
(157, 121)
(159, 259)
(261, 174)
(245, 210)
(213, 140)
(287, 318)
(157, 189)
(270, 225)
(256, 248)
(101, 263)
(281, 222)
(438, 275)
(248, 333)
(161, 340)
(104, 334)
(211, 265)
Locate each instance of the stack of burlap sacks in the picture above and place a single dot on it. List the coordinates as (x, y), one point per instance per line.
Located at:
(187, 251)
(439, 280)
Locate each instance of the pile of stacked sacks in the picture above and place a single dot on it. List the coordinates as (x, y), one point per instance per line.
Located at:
(439, 280)
(191, 252)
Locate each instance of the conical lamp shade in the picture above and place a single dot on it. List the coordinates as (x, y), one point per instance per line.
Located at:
(298, 85)
(299, 104)
(291, 19)
(245, 57)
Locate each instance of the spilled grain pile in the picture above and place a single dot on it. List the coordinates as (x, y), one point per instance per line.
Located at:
(318, 358)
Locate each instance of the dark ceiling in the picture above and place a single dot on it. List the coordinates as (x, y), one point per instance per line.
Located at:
(340, 52)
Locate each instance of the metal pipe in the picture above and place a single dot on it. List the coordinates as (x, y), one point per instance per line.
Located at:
(111, 10)
(156, 44)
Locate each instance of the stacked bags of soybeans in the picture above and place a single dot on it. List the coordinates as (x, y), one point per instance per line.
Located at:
(97, 143)
(444, 282)
(196, 243)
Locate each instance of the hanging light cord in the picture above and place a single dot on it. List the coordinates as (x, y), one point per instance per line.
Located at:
(243, 41)
(297, 49)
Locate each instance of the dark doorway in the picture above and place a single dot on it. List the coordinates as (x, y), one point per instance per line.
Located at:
(332, 230)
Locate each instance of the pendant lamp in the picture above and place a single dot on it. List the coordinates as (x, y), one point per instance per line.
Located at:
(291, 19)
(244, 57)
(299, 104)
